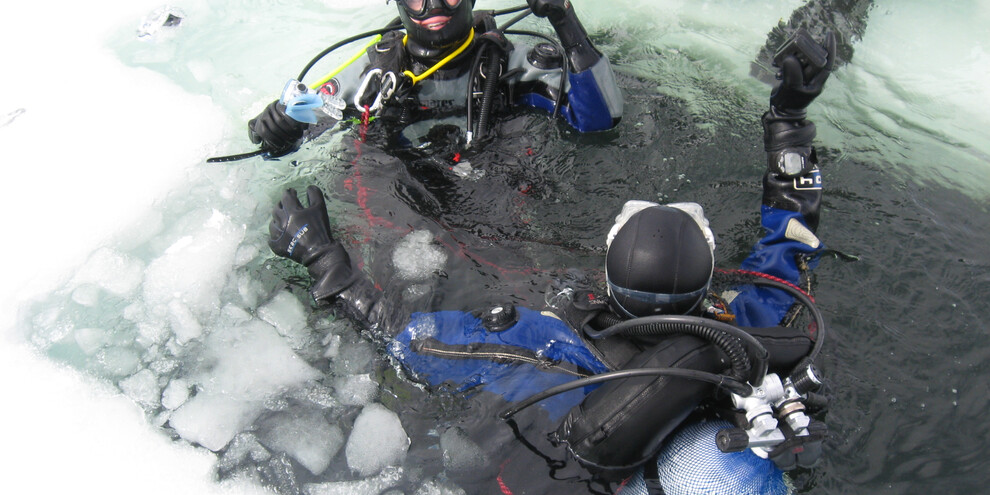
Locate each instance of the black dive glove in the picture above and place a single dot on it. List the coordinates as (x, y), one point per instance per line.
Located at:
(787, 136)
(801, 81)
(302, 234)
(580, 52)
(275, 131)
(553, 9)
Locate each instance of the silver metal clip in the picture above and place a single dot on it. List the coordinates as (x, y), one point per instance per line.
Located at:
(388, 83)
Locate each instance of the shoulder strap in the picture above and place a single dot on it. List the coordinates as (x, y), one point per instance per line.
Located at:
(389, 54)
(651, 476)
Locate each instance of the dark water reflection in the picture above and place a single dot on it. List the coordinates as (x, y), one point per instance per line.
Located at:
(910, 356)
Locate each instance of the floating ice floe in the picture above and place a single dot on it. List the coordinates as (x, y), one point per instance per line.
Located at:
(163, 18)
(377, 441)
(417, 257)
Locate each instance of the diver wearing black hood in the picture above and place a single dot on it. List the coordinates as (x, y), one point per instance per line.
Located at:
(435, 27)
(619, 374)
(450, 61)
(668, 239)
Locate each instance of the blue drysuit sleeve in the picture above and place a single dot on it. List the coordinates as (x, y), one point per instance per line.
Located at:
(789, 216)
(593, 103)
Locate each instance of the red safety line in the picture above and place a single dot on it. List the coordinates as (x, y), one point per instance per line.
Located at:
(463, 252)
(768, 277)
(501, 483)
(362, 192)
(355, 183)
(622, 485)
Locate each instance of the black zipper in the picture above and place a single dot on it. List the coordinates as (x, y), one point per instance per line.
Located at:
(496, 353)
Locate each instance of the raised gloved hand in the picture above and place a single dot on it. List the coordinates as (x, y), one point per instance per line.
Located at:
(275, 130)
(801, 79)
(787, 135)
(554, 9)
(302, 234)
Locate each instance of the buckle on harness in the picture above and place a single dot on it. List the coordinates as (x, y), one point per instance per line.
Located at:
(387, 84)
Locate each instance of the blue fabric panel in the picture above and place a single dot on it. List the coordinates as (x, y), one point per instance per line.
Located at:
(545, 335)
(586, 106)
(586, 109)
(773, 255)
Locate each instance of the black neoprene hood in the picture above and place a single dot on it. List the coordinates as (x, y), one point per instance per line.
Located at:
(456, 30)
(658, 263)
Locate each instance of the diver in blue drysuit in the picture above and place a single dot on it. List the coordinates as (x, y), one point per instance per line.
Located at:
(662, 311)
(408, 78)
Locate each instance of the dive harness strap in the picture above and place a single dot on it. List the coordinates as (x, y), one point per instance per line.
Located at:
(380, 80)
(389, 70)
(651, 476)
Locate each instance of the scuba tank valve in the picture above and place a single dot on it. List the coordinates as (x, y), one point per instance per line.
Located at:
(777, 426)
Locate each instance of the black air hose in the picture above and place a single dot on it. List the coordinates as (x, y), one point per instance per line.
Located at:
(605, 319)
(488, 90)
(722, 381)
(475, 69)
(724, 336)
(394, 25)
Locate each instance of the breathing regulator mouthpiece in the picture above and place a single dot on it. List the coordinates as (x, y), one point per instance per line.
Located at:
(308, 106)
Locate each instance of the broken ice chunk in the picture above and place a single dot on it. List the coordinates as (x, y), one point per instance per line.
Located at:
(417, 257)
(162, 18)
(305, 435)
(356, 390)
(377, 441)
(142, 387)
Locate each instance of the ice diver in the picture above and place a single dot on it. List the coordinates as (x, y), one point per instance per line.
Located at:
(441, 59)
(618, 375)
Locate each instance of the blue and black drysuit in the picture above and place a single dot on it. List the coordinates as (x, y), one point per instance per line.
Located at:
(513, 357)
(544, 348)
(577, 84)
(509, 358)
(591, 100)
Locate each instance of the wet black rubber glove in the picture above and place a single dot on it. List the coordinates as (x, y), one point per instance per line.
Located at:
(276, 131)
(787, 140)
(302, 234)
(554, 9)
(801, 83)
(787, 134)
(580, 52)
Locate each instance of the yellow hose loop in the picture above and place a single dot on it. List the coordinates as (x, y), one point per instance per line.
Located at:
(344, 65)
(448, 58)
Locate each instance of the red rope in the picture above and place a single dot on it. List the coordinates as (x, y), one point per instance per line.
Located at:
(766, 276)
(461, 250)
(355, 183)
(356, 180)
(622, 485)
(501, 483)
